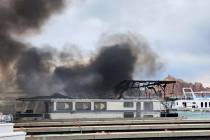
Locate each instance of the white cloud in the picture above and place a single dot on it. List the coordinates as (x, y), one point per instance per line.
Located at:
(204, 78)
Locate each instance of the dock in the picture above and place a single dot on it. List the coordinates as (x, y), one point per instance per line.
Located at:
(115, 129)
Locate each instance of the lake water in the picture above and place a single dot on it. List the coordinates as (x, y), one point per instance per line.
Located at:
(194, 115)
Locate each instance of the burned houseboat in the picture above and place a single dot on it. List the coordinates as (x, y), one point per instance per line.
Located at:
(138, 99)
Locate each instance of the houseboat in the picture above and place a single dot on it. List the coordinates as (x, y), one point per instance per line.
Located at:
(146, 99)
(54, 107)
(193, 101)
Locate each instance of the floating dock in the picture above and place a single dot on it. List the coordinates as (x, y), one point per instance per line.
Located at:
(115, 129)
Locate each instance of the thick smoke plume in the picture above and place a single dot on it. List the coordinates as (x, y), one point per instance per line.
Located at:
(18, 17)
(116, 60)
(44, 71)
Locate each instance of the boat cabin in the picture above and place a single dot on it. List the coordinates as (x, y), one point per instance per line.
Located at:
(66, 108)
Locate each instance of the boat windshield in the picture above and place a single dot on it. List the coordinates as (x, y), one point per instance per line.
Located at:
(188, 96)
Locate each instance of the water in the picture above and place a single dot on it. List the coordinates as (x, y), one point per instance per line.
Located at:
(194, 115)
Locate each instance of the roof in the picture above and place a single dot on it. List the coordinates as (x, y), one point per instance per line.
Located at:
(54, 96)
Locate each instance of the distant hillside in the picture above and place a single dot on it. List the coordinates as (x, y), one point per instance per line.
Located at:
(197, 86)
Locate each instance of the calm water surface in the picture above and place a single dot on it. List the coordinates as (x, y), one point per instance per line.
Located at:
(194, 115)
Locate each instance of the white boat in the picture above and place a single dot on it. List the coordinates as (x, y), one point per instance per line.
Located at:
(193, 101)
(7, 133)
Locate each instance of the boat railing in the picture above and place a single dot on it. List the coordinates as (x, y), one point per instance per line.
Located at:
(188, 93)
(203, 94)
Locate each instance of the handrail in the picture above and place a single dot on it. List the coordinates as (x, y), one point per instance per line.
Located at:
(184, 90)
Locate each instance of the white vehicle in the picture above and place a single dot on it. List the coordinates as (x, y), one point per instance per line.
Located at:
(193, 101)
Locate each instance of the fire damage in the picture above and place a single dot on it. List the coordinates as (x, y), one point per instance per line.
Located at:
(127, 89)
(143, 88)
(42, 71)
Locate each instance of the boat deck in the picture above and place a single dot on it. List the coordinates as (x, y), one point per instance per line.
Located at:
(115, 129)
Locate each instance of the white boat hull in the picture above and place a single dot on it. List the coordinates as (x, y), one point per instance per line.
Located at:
(6, 132)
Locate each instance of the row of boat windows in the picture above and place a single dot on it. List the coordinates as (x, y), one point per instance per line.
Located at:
(87, 105)
(203, 104)
(184, 103)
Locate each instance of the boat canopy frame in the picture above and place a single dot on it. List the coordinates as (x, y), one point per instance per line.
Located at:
(159, 87)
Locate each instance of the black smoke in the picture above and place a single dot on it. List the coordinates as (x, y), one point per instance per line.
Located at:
(43, 71)
(18, 17)
(96, 79)
(37, 72)
(33, 72)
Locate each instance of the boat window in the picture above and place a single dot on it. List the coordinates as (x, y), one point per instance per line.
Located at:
(148, 116)
(128, 115)
(100, 106)
(63, 106)
(205, 104)
(83, 106)
(194, 102)
(128, 104)
(148, 106)
(184, 104)
(177, 103)
(209, 104)
(201, 104)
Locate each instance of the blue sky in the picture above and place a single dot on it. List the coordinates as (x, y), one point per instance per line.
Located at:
(177, 30)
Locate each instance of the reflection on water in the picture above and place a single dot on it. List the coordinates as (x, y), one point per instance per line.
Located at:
(194, 115)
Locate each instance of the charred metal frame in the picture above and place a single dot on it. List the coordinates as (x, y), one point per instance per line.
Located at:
(143, 85)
